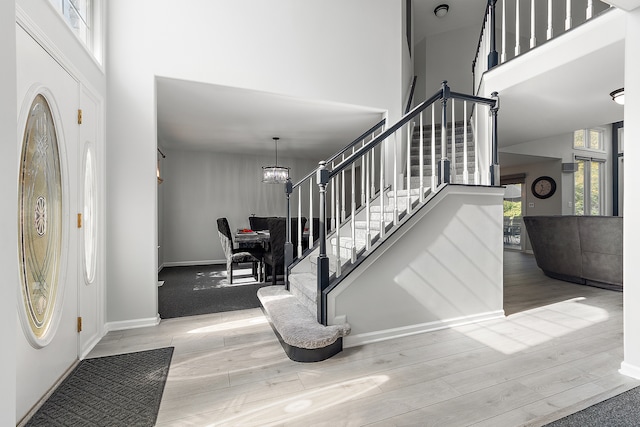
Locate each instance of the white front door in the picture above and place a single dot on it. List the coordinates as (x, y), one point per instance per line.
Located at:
(89, 284)
(47, 338)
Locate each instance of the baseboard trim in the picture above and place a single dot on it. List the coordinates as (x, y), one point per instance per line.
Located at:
(387, 334)
(188, 263)
(132, 324)
(630, 370)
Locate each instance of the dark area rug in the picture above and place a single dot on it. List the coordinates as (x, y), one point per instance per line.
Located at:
(622, 410)
(121, 390)
(205, 289)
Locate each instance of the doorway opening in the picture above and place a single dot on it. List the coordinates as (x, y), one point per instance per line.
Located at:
(512, 216)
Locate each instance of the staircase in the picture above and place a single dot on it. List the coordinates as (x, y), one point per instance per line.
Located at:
(370, 211)
(463, 136)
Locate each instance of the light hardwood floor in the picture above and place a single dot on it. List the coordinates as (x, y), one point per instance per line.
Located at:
(558, 350)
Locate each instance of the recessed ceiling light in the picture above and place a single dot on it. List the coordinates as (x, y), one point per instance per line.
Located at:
(441, 10)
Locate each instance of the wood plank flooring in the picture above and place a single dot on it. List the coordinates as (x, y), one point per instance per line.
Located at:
(558, 350)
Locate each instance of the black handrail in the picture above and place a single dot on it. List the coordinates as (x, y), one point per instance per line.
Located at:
(339, 153)
(484, 24)
(411, 91)
(406, 118)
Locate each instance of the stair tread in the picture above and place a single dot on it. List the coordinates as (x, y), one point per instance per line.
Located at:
(295, 324)
(305, 282)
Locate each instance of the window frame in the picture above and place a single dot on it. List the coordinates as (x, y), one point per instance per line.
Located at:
(93, 41)
(601, 145)
(588, 186)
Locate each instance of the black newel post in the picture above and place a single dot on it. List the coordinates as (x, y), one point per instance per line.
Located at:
(444, 165)
(288, 246)
(495, 167)
(493, 53)
(323, 260)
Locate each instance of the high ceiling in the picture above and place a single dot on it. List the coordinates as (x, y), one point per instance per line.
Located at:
(201, 116)
(198, 116)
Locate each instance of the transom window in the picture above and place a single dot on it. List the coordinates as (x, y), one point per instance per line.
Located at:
(589, 139)
(78, 15)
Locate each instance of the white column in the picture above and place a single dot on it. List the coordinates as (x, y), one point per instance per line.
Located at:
(631, 277)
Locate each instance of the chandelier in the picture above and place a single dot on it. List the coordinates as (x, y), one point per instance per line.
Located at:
(275, 174)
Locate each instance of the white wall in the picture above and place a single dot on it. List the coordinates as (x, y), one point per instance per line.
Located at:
(337, 51)
(631, 364)
(451, 250)
(201, 186)
(8, 230)
(448, 57)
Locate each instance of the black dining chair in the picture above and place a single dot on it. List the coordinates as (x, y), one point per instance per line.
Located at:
(258, 223)
(274, 256)
(237, 255)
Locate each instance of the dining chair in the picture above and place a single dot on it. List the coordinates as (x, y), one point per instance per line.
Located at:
(258, 223)
(238, 255)
(274, 256)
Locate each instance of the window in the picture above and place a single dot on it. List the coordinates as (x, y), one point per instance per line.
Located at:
(589, 139)
(589, 198)
(77, 14)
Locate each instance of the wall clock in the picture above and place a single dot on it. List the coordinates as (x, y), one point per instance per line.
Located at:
(543, 187)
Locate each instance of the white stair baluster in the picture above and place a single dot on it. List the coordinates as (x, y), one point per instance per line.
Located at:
(532, 40)
(434, 178)
(333, 200)
(366, 165)
(549, 19)
(343, 213)
(476, 172)
(465, 173)
(517, 48)
(421, 154)
(299, 242)
(568, 21)
(395, 178)
(453, 141)
(338, 251)
(503, 57)
(409, 135)
(353, 212)
(589, 11)
(381, 194)
(311, 212)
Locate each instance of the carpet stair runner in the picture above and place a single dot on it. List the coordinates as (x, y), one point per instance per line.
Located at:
(457, 165)
(293, 313)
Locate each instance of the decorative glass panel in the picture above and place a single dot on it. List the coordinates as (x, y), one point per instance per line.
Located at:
(40, 220)
(89, 217)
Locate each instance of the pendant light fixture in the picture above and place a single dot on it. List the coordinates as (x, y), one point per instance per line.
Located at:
(275, 174)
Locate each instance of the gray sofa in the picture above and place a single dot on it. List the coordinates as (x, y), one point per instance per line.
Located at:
(579, 249)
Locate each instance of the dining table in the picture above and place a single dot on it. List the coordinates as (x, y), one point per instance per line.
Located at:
(250, 238)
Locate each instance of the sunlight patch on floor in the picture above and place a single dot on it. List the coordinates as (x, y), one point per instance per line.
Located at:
(531, 328)
(304, 404)
(227, 326)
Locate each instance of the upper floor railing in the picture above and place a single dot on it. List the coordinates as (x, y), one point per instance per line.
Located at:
(513, 27)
